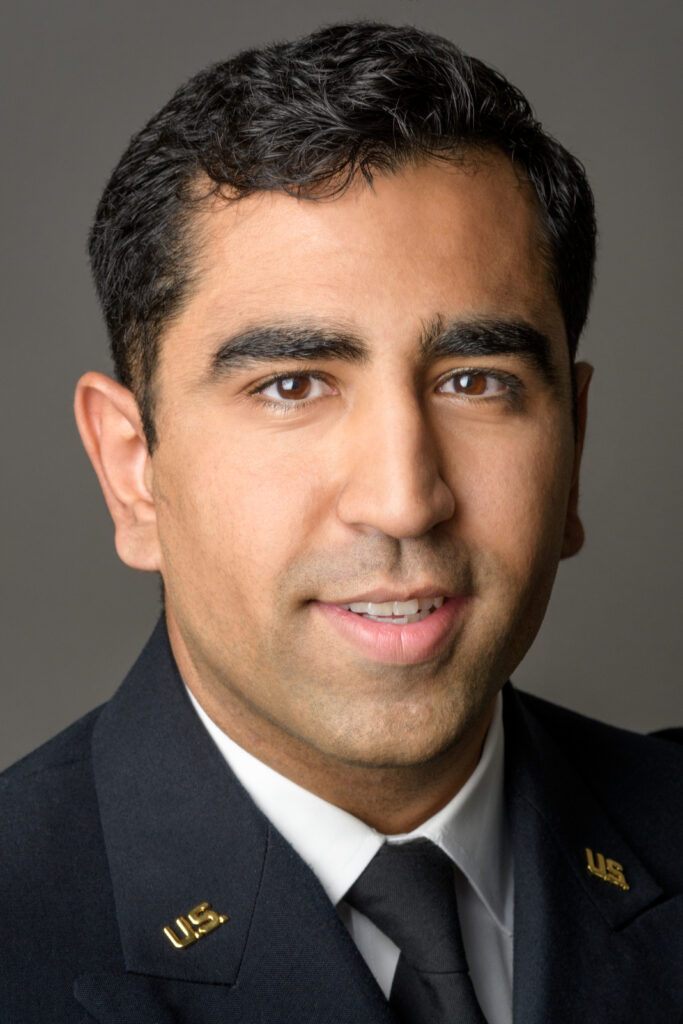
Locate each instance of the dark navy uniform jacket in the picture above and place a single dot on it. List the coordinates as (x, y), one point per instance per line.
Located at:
(130, 820)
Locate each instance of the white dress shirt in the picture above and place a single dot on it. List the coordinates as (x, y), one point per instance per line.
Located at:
(337, 847)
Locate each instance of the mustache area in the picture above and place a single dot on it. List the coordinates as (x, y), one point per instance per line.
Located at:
(395, 567)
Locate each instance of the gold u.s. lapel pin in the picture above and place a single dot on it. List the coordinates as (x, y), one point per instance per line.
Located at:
(606, 869)
(199, 922)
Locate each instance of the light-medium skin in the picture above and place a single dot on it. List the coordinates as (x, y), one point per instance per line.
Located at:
(269, 504)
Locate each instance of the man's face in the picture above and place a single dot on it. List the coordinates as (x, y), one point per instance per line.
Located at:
(364, 400)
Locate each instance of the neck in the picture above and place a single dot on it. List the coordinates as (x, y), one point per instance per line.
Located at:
(395, 800)
(391, 799)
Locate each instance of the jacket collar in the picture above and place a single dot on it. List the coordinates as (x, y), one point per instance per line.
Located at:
(181, 831)
(584, 947)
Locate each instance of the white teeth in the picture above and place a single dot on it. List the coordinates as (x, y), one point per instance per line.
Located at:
(396, 612)
(383, 608)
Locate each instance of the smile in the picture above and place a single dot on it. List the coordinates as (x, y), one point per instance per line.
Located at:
(397, 613)
(406, 632)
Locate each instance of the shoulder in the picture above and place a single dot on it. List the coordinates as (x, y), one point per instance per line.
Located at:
(581, 737)
(54, 876)
(73, 743)
(674, 735)
(637, 779)
(47, 806)
(54, 767)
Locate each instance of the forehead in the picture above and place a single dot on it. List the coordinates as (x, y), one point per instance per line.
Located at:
(435, 239)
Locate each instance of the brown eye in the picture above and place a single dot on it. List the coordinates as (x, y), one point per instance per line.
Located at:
(473, 384)
(470, 383)
(293, 387)
(296, 389)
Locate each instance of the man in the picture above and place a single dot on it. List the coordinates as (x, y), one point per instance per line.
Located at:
(344, 279)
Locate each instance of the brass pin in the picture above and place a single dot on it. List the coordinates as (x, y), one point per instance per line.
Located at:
(201, 918)
(605, 868)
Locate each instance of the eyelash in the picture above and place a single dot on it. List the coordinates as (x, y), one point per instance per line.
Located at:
(514, 386)
(283, 408)
(512, 395)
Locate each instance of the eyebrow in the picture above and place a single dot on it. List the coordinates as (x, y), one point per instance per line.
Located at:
(299, 343)
(438, 340)
(489, 337)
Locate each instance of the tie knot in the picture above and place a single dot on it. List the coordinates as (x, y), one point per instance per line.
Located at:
(408, 891)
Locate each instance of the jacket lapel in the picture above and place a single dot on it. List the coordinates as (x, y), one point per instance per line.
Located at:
(585, 948)
(180, 831)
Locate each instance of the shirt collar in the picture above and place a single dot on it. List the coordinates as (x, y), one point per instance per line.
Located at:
(338, 847)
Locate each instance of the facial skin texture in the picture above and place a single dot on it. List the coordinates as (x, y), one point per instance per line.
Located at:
(386, 479)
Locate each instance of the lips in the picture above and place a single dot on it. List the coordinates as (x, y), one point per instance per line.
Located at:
(393, 639)
(382, 595)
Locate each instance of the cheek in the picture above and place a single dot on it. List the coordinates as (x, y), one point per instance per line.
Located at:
(513, 497)
(235, 513)
(271, 495)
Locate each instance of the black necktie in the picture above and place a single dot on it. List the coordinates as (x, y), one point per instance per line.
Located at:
(408, 891)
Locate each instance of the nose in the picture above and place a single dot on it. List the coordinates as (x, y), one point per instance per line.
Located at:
(393, 482)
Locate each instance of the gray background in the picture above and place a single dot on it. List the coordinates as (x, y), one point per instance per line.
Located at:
(80, 76)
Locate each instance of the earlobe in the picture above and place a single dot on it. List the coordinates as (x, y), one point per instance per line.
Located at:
(109, 423)
(573, 530)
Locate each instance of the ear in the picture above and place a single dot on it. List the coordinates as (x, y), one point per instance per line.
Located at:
(109, 423)
(573, 529)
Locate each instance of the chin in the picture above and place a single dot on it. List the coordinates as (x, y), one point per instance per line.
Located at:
(409, 738)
